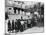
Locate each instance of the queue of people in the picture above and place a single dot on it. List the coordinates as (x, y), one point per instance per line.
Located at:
(20, 25)
(15, 26)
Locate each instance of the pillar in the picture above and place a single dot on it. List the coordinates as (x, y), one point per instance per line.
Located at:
(21, 12)
(16, 11)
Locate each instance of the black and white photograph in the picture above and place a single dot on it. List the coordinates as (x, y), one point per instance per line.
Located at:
(23, 17)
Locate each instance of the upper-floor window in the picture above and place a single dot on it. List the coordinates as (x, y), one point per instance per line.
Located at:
(9, 8)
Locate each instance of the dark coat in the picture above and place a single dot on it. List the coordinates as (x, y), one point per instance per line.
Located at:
(18, 24)
(16, 27)
(12, 25)
(9, 25)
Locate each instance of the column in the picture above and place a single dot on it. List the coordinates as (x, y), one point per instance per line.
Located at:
(21, 12)
(16, 11)
(25, 13)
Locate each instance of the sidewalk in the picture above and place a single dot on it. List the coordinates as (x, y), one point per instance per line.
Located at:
(30, 30)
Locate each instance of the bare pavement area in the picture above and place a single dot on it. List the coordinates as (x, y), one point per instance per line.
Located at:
(30, 31)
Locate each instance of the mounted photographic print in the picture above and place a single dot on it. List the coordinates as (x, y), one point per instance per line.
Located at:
(23, 17)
